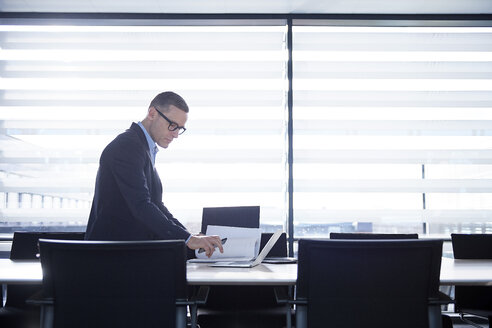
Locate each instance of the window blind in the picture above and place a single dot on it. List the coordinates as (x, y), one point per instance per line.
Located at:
(392, 125)
(67, 90)
(392, 128)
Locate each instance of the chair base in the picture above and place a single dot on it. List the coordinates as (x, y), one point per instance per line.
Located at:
(473, 317)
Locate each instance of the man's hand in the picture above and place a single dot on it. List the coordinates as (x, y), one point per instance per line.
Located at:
(208, 243)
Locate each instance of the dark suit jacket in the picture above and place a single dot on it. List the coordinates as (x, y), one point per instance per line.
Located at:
(127, 201)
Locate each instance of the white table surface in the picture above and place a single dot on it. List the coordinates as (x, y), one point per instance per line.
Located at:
(29, 272)
(453, 272)
(20, 272)
(263, 274)
(466, 272)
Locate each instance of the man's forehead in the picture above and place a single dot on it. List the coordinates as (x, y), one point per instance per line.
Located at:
(176, 113)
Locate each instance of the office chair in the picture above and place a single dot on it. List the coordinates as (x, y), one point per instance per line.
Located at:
(16, 313)
(241, 306)
(245, 306)
(368, 283)
(235, 216)
(358, 235)
(113, 283)
(444, 298)
(473, 300)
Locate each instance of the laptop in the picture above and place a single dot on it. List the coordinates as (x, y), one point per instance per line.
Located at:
(254, 262)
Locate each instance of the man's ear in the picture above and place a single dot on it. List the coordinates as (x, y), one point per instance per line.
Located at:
(152, 113)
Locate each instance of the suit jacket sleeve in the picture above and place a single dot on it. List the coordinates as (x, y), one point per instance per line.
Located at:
(168, 214)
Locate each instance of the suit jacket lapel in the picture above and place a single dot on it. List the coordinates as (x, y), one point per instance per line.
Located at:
(135, 127)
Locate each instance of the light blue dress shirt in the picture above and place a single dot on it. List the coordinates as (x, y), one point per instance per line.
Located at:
(152, 146)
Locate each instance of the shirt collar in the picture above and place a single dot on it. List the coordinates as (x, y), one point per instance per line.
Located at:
(152, 146)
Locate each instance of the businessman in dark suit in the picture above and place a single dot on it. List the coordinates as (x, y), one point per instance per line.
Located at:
(127, 201)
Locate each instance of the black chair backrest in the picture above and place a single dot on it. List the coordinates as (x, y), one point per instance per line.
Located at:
(472, 246)
(114, 284)
(25, 247)
(238, 297)
(280, 247)
(239, 216)
(355, 235)
(368, 283)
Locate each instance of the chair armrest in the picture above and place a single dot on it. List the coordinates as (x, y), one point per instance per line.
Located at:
(39, 300)
(181, 302)
(202, 295)
(445, 299)
(198, 299)
(442, 299)
(282, 297)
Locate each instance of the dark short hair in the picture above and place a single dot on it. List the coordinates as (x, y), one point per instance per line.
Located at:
(164, 99)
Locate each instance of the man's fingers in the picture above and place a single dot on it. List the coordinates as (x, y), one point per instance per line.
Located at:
(214, 242)
(208, 243)
(219, 244)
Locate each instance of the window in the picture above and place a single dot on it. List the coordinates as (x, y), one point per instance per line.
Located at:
(392, 123)
(392, 129)
(67, 90)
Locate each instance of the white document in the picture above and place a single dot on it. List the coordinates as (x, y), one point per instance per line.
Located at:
(250, 263)
(241, 244)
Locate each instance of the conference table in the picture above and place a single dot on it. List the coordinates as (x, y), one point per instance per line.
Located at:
(453, 272)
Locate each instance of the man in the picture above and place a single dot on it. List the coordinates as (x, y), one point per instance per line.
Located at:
(127, 201)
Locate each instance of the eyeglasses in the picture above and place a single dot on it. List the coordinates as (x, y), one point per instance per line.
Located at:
(173, 126)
